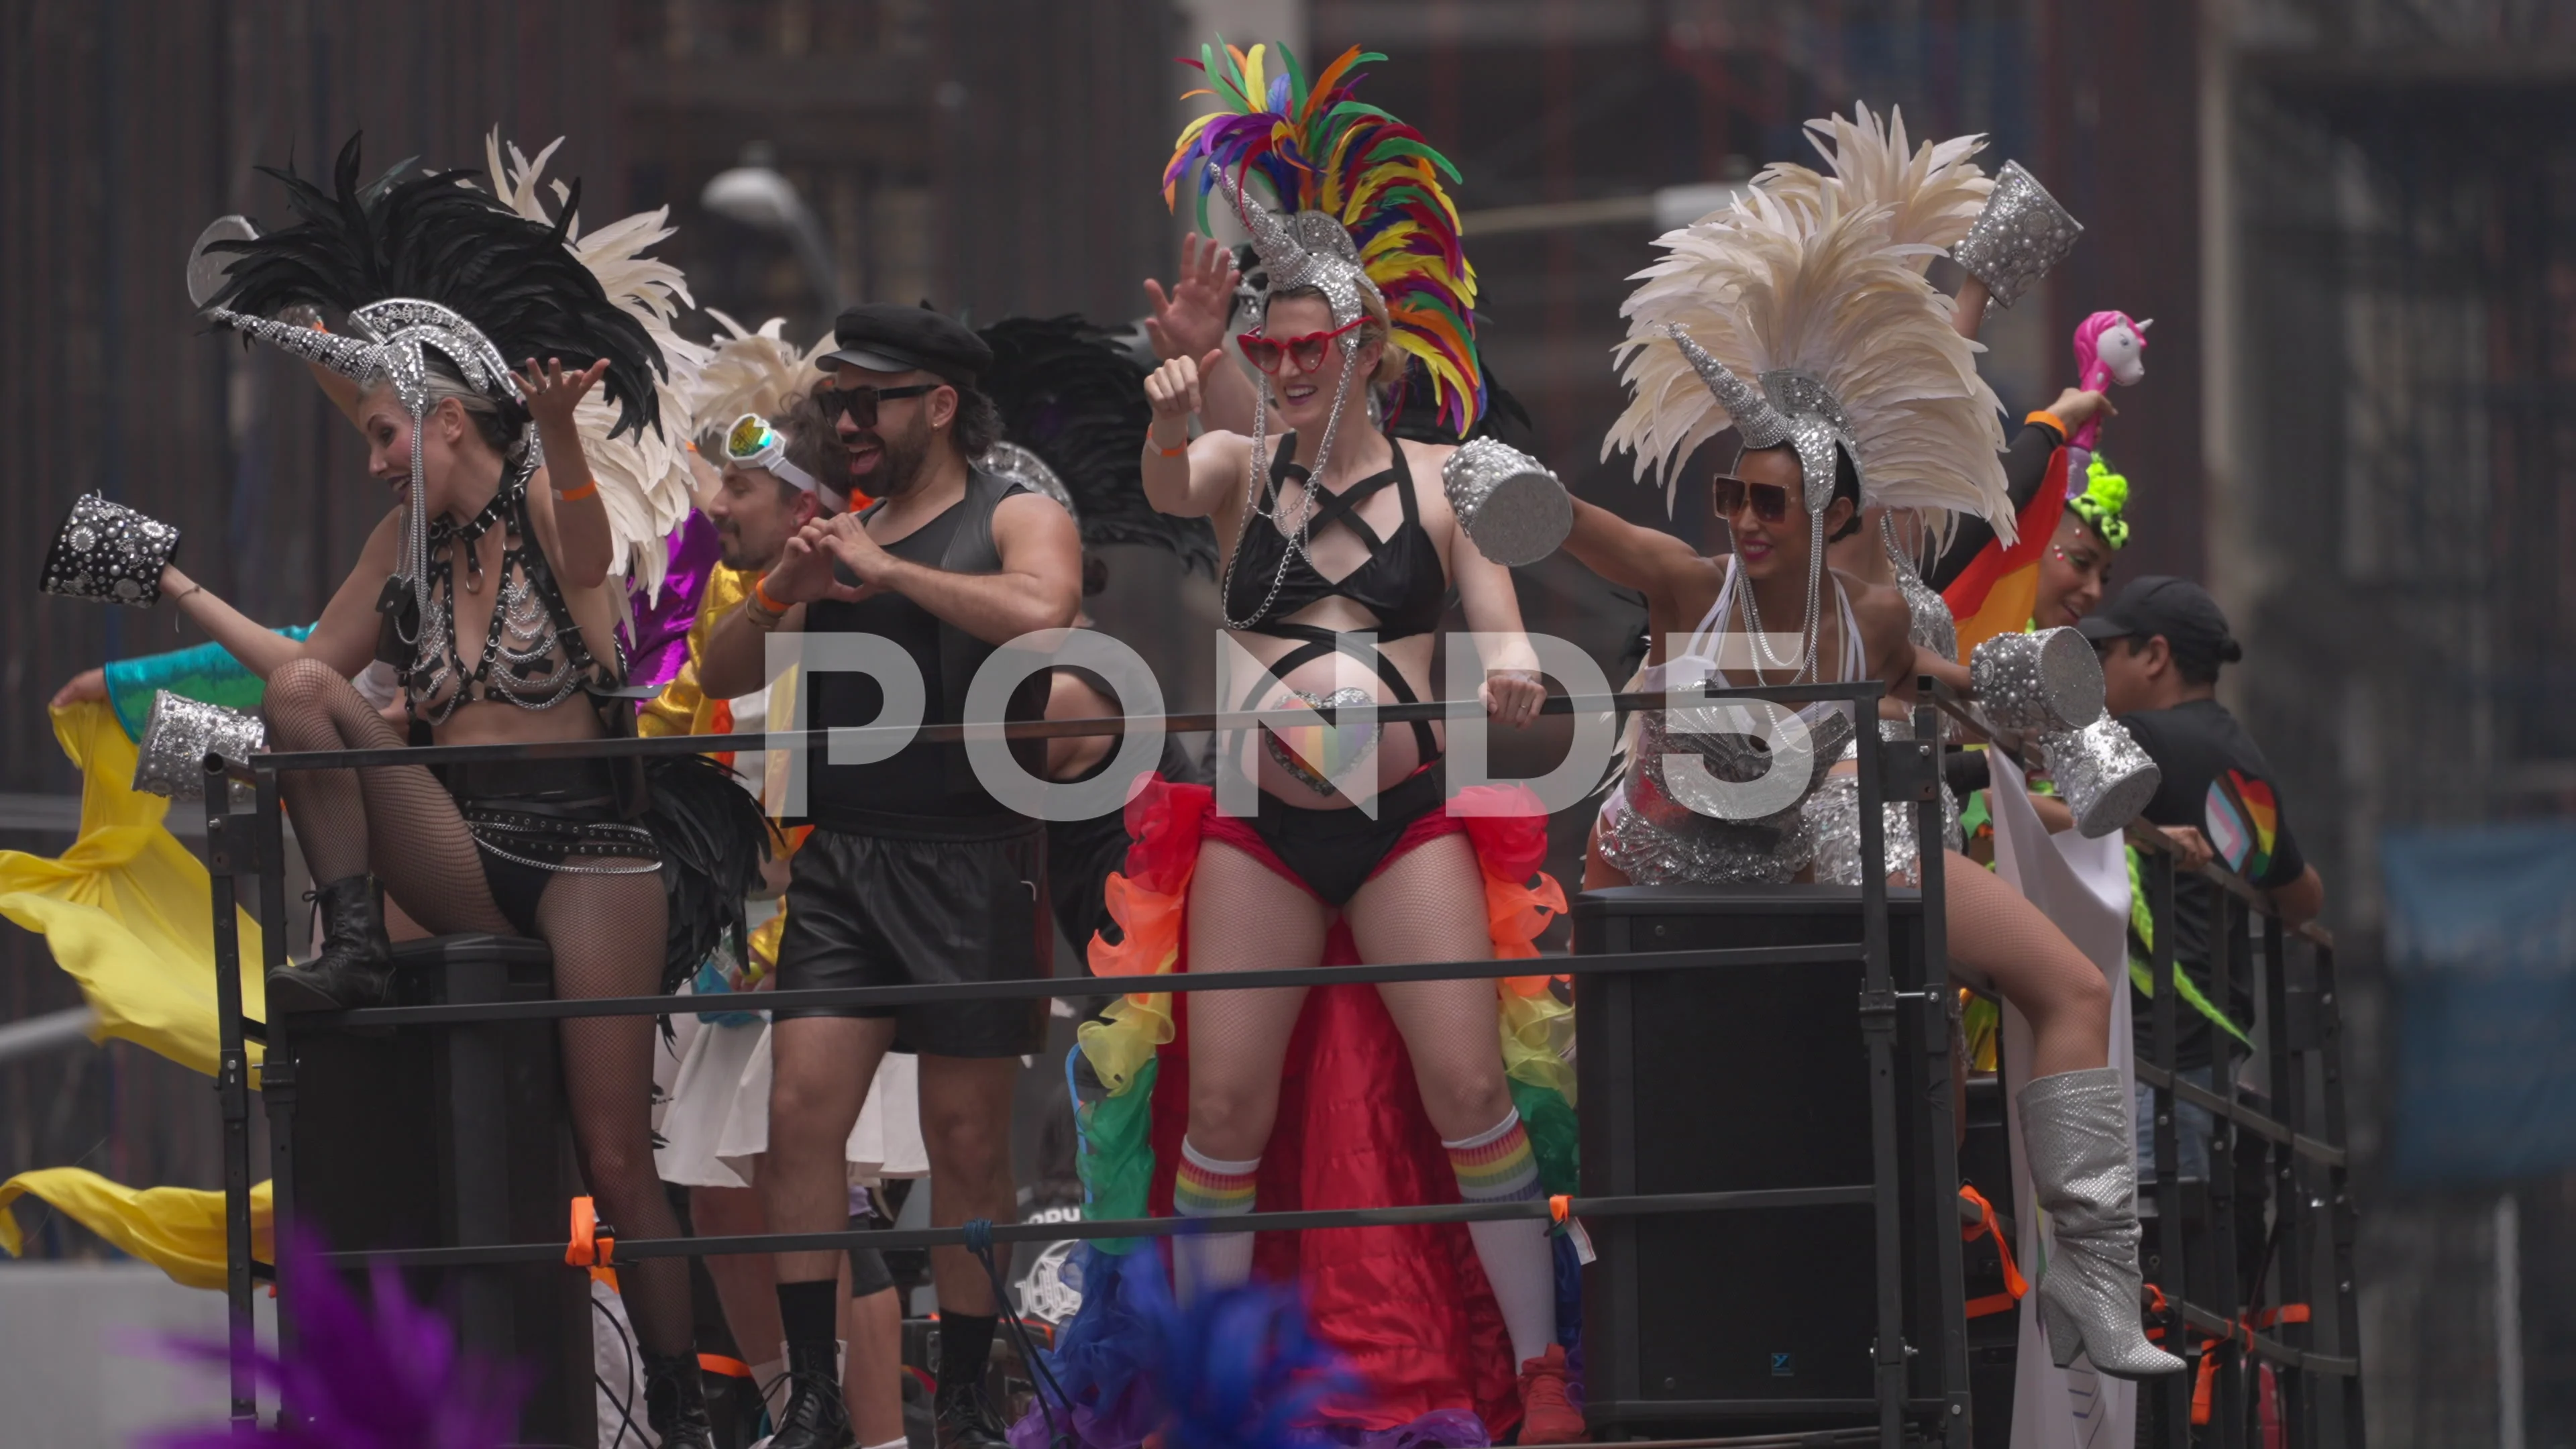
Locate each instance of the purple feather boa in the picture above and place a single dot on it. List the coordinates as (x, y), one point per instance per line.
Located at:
(380, 1375)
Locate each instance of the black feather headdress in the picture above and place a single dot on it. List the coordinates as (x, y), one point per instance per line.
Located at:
(1071, 394)
(410, 257)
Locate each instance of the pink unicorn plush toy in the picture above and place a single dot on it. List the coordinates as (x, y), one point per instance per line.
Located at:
(2109, 347)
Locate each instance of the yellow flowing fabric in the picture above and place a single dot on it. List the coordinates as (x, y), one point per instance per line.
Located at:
(128, 911)
(178, 1230)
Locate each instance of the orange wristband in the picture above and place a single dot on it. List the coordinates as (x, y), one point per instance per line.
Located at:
(580, 493)
(1173, 452)
(2047, 419)
(760, 596)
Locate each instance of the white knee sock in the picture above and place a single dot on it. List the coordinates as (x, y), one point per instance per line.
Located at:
(1208, 1187)
(1495, 1165)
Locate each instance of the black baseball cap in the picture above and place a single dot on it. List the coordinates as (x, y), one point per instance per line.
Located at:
(2182, 611)
(889, 337)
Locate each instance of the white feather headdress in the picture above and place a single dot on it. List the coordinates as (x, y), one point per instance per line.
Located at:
(1934, 191)
(644, 476)
(750, 372)
(1803, 296)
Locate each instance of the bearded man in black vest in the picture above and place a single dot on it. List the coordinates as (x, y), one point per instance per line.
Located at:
(915, 873)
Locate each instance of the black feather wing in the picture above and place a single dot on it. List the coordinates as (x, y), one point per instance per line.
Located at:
(432, 236)
(1070, 393)
(713, 840)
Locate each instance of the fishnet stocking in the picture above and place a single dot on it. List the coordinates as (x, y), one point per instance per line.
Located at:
(397, 818)
(606, 933)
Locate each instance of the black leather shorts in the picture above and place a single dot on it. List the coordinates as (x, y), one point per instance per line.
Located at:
(874, 910)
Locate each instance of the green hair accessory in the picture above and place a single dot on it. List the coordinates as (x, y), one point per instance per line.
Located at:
(2105, 494)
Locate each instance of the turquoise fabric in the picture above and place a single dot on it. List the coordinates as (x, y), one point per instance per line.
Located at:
(207, 673)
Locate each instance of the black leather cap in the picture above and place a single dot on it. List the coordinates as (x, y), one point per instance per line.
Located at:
(888, 337)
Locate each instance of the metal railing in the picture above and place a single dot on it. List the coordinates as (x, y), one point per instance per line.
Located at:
(251, 844)
(2306, 1163)
(2309, 1165)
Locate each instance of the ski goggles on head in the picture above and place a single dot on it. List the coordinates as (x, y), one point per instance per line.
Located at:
(752, 443)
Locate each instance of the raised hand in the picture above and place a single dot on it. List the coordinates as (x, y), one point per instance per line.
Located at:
(1191, 318)
(803, 573)
(2075, 406)
(552, 393)
(846, 538)
(89, 684)
(1175, 391)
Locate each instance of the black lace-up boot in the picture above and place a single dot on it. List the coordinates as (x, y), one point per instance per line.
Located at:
(354, 966)
(816, 1418)
(967, 1419)
(675, 1401)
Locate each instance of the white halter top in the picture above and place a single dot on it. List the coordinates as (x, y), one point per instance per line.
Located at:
(1699, 662)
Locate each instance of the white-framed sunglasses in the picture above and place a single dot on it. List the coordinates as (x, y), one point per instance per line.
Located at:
(752, 443)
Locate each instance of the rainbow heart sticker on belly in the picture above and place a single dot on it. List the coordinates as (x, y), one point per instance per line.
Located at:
(1314, 753)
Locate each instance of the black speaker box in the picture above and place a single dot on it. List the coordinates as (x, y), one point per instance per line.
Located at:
(1738, 1079)
(448, 1135)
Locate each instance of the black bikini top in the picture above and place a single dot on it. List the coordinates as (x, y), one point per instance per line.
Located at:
(1401, 581)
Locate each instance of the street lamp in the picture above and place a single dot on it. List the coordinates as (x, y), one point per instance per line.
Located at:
(758, 197)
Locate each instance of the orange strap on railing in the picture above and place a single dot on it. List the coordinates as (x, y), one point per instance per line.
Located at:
(2206, 1379)
(589, 1248)
(2202, 1382)
(1561, 1220)
(2014, 1285)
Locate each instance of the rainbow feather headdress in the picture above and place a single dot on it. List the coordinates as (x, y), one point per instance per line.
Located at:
(1367, 213)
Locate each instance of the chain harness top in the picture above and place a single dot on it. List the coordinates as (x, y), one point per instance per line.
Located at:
(533, 654)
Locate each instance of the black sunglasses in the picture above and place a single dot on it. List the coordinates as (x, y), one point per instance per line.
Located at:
(861, 402)
(1727, 494)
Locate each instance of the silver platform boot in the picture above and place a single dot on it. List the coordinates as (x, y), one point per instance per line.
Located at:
(2078, 1132)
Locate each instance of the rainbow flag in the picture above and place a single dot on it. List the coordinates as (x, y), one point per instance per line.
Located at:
(1995, 594)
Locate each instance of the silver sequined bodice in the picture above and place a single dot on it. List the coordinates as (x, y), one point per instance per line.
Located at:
(1833, 817)
(1650, 833)
(1655, 838)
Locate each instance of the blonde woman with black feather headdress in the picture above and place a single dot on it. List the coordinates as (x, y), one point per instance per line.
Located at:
(493, 588)
(1801, 323)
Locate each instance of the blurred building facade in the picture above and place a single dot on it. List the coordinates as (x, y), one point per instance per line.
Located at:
(2350, 218)
(2388, 288)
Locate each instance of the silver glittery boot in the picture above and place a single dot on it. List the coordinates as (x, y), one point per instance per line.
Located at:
(2080, 1137)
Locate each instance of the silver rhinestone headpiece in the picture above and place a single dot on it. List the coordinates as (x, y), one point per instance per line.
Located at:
(393, 338)
(1307, 249)
(1792, 406)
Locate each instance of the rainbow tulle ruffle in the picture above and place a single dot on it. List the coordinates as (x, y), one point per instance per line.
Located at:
(1407, 1307)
